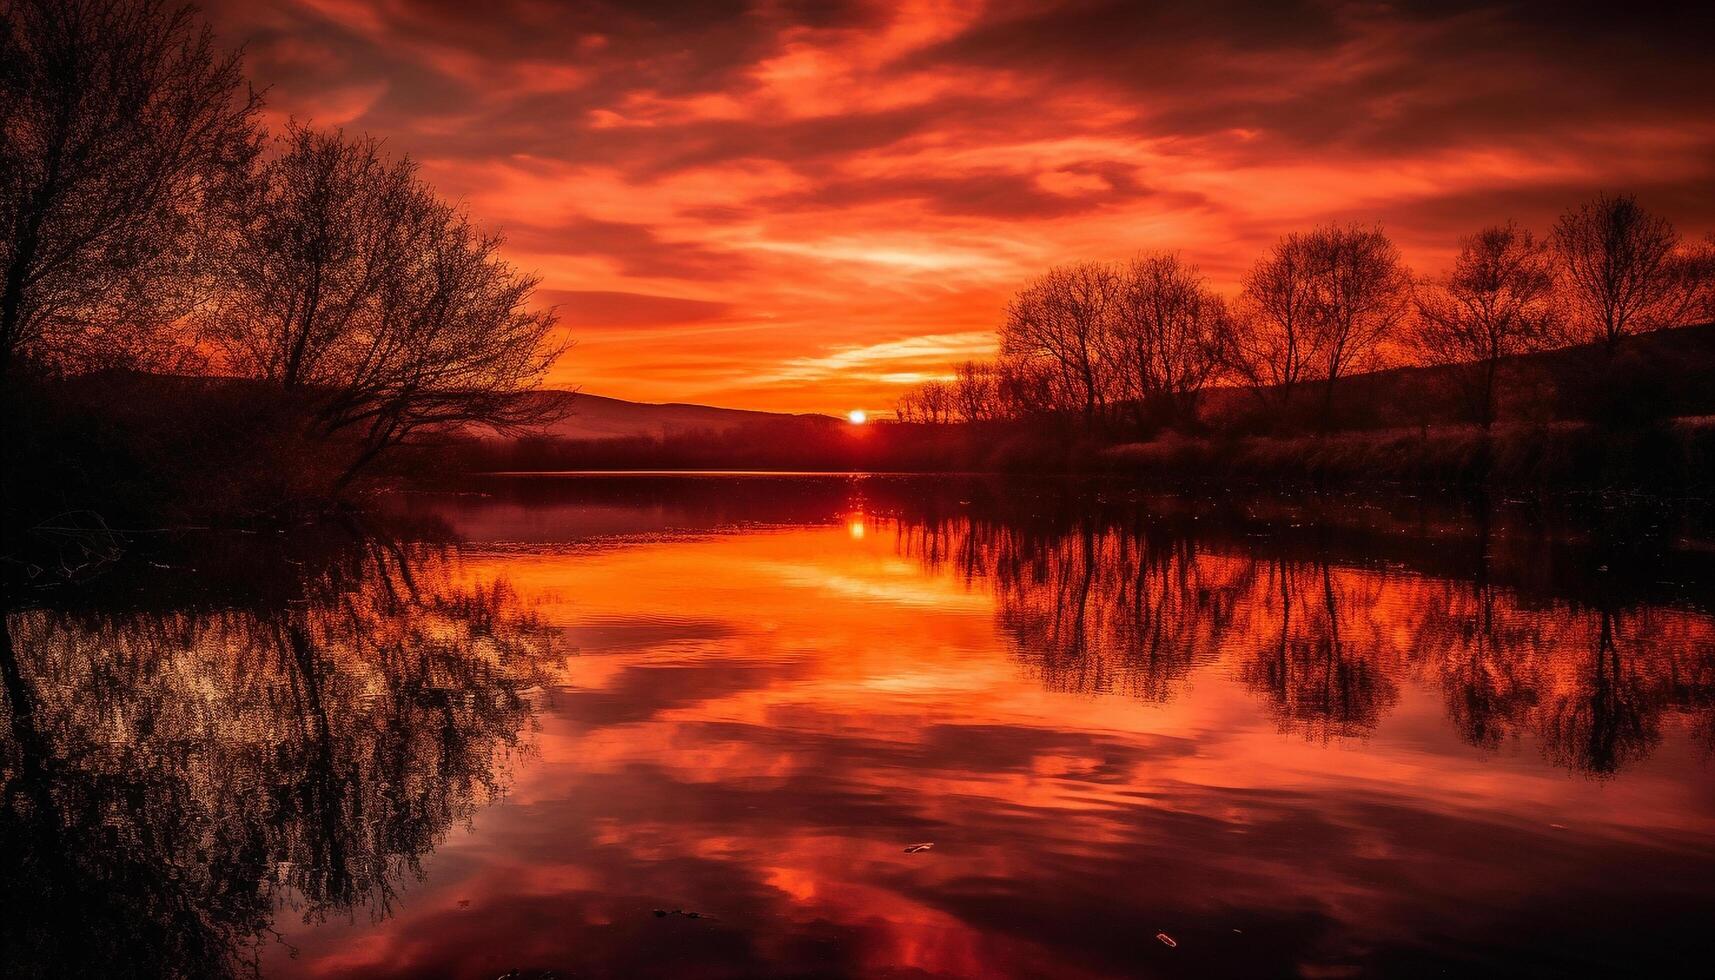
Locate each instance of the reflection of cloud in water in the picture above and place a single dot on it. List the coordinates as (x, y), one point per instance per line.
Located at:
(890, 583)
(627, 634)
(784, 798)
(1108, 729)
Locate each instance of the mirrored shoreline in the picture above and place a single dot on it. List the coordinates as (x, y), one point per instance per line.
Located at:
(739, 696)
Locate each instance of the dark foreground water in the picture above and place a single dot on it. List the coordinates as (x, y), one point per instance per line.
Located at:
(683, 727)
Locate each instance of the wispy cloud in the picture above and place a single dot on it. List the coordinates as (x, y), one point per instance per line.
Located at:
(796, 205)
(883, 362)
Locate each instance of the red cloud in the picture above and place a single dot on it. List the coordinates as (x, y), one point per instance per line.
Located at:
(827, 178)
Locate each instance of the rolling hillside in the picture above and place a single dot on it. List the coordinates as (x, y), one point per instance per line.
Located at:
(598, 417)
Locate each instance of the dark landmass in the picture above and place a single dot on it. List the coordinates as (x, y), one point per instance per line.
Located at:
(1584, 416)
(132, 450)
(126, 449)
(580, 416)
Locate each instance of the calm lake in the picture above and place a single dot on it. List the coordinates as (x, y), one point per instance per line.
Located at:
(688, 726)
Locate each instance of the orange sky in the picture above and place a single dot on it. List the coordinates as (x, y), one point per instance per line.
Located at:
(807, 206)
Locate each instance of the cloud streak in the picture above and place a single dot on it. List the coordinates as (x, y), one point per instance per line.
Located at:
(822, 179)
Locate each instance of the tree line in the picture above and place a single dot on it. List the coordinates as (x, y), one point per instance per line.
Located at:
(1133, 346)
(149, 221)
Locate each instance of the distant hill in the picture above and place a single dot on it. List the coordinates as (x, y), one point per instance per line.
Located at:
(599, 417)
(585, 416)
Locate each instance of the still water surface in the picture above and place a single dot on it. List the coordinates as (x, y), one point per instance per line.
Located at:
(677, 726)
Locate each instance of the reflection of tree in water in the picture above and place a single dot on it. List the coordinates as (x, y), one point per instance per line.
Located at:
(1134, 609)
(1610, 716)
(1317, 652)
(1490, 689)
(1625, 672)
(1093, 610)
(171, 775)
(1593, 686)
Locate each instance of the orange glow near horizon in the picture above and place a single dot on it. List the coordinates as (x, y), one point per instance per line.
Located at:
(857, 416)
(780, 209)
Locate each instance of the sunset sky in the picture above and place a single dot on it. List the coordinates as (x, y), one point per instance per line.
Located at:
(807, 206)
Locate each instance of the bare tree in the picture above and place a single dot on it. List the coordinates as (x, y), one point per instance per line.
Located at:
(932, 401)
(905, 406)
(1616, 260)
(327, 230)
(353, 286)
(457, 347)
(1361, 292)
(975, 394)
(1695, 270)
(1317, 308)
(1497, 302)
(122, 131)
(1024, 387)
(1164, 337)
(1273, 345)
(1059, 319)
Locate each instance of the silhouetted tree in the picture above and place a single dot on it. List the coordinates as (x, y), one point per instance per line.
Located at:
(1273, 345)
(1024, 387)
(1164, 337)
(122, 133)
(1059, 320)
(1497, 302)
(905, 407)
(326, 234)
(931, 401)
(352, 283)
(1360, 293)
(1695, 269)
(971, 395)
(913, 405)
(975, 394)
(1318, 308)
(1616, 260)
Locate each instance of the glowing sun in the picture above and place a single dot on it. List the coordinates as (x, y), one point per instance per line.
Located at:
(857, 416)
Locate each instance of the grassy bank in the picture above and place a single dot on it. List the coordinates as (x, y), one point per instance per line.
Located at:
(1675, 457)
